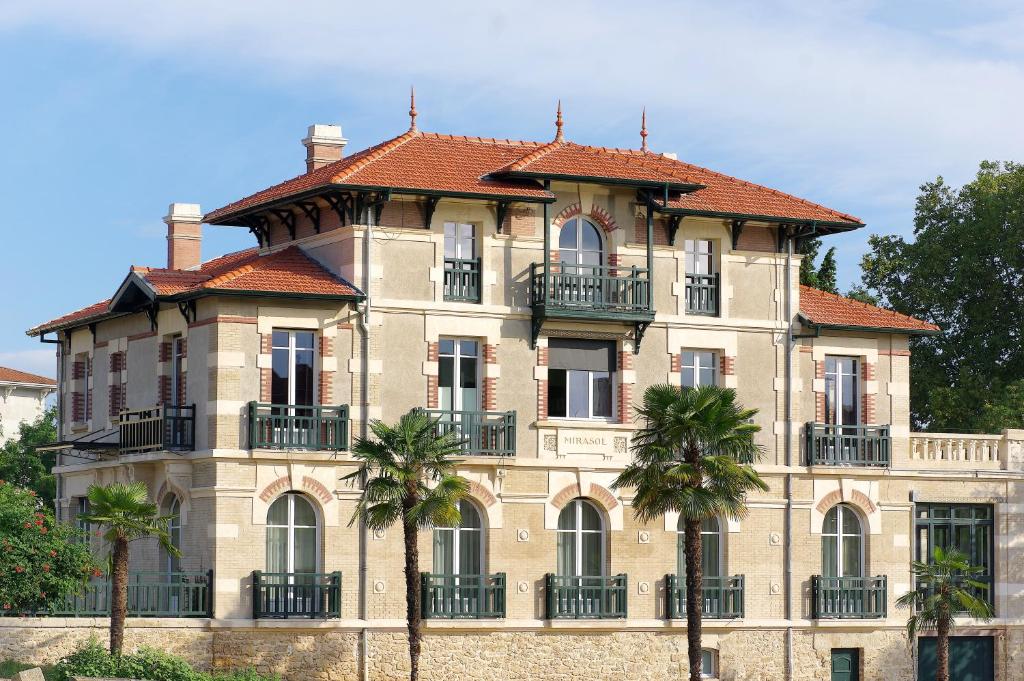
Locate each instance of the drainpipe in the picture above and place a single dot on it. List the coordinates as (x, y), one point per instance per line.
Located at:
(788, 440)
(364, 398)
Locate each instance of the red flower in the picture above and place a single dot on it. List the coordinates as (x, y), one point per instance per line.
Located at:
(43, 530)
(7, 606)
(31, 493)
(46, 567)
(96, 572)
(19, 569)
(28, 525)
(39, 521)
(52, 553)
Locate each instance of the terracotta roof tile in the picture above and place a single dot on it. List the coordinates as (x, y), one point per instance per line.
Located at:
(489, 167)
(829, 309)
(15, 376)
(289, 271)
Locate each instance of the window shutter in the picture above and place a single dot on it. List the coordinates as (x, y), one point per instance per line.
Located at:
(581, 354)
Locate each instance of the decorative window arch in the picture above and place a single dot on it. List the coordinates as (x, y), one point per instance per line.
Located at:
(293, 535)
(460, 550)
(581, 243)
(581, 540)
(842, 543)
(712, 548)
(171, 506)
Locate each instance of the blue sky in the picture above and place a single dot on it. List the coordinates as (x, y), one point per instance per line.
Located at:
(113, 110)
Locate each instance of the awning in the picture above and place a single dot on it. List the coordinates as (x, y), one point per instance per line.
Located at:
(96, 440)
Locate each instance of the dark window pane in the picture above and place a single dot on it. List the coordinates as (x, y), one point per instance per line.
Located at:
(446, 372)
(567, 237)
(556, 392)
(279, 380)
(304, 340)
(467, 372)
(602, 394)
(446, 346)
(590, 240)
(280, 339)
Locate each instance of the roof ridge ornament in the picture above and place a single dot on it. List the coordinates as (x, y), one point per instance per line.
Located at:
(643, 130)
(559, 136)
(412, 109)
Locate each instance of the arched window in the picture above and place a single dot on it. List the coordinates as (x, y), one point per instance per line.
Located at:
(712, 559)
(292, 535)
(460, 550)
(580, 540)
(842, 544)
(579, 243)
(172, 507)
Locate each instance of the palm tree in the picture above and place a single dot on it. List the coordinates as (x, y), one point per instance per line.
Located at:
(692, 456)
(945, 588)
(409, 477)
(125, 510)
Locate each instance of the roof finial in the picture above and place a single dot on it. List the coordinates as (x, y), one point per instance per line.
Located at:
(559, 137)
(643, 130)
(412, 109)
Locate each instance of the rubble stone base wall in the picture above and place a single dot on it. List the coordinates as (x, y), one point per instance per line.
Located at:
(300, 654)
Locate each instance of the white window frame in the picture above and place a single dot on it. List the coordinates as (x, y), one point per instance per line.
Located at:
(457, 226)
(839, 381)
(578, 533)
(291, 362)
(709, 673)
(577, 249)
(291, 527)
(457, 542)
(840, 509)
(457, 355)
(176, 369)
(590, 398)
(691, 248)
(173, 523)
(695, 367)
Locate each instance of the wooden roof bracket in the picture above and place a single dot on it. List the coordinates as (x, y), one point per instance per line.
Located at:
(501, 212)
(287, 218)
(737, 230)
(429, 206)
(312, 211)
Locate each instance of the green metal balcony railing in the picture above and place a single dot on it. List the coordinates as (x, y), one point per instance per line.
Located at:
(832, 445)
(585, 597)
(483, 433)
(150, 594)
(462, 279)
(463, 596)
(291, 426)
(598, 291)
(296, 595)
(722, 597)
(163, 427)
(702, 294)
(849, 597)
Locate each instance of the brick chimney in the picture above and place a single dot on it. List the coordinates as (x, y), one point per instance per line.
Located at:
(324, 144)
(184, 236)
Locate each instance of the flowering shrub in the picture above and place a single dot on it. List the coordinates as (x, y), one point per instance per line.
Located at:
(93, 660)
(41, 561)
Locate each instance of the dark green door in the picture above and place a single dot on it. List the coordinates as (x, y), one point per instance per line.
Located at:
(971, 658)
(845, 664)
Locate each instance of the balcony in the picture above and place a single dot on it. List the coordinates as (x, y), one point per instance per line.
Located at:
(158, 428)
(856, 598)
(463, 596)
(585, 597)
(702, 294)
(483, 433)
(831, 445)
(291, 426)
(722, 597)
(150, 594)
(462, 279)
(591, 292)
(296, 595)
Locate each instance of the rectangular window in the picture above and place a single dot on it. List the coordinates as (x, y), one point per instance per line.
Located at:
(458, 368)
(177, 375)
(699, 367)
(81, 509)
(459, 241)
(580, 378)
(842, 391)
(699, 256)
(87, 392)
(292, 358)
(967, 527)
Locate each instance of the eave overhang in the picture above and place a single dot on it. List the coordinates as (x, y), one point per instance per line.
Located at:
(817, 327)
(684, 187)
(819, 227)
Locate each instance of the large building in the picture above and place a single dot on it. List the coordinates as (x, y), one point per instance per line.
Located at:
(525, 293)
(22, 399)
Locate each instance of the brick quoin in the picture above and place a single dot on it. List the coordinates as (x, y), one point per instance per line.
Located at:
(490, 394)
(625, 392)
(542, 385)
(165, 352)
(165, 389)
(432, 392)
(266, 374)
(675, 363)
(326, 346)
(326, 387)
(77, 407)
(727, 365)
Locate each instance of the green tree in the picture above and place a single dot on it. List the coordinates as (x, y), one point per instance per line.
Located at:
(809, 249)
(964, 271)
(23, 465)
(861, 294)
(408, 475)
(127, 514)
(41, 561)
(944, 588)
(827, 272)
(691, 456)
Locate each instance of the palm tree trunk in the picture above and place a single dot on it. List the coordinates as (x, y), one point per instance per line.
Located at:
(694, 595)
(413, 603)
(118, 595)
(942, 649)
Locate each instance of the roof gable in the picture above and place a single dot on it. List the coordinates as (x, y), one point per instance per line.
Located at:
(820, 308)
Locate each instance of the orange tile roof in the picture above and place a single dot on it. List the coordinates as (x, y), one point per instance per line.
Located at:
(288, 271)
(829, 309)
(431, 162)
(14, 376)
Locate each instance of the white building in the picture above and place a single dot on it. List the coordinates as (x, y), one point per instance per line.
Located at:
(22, 398)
